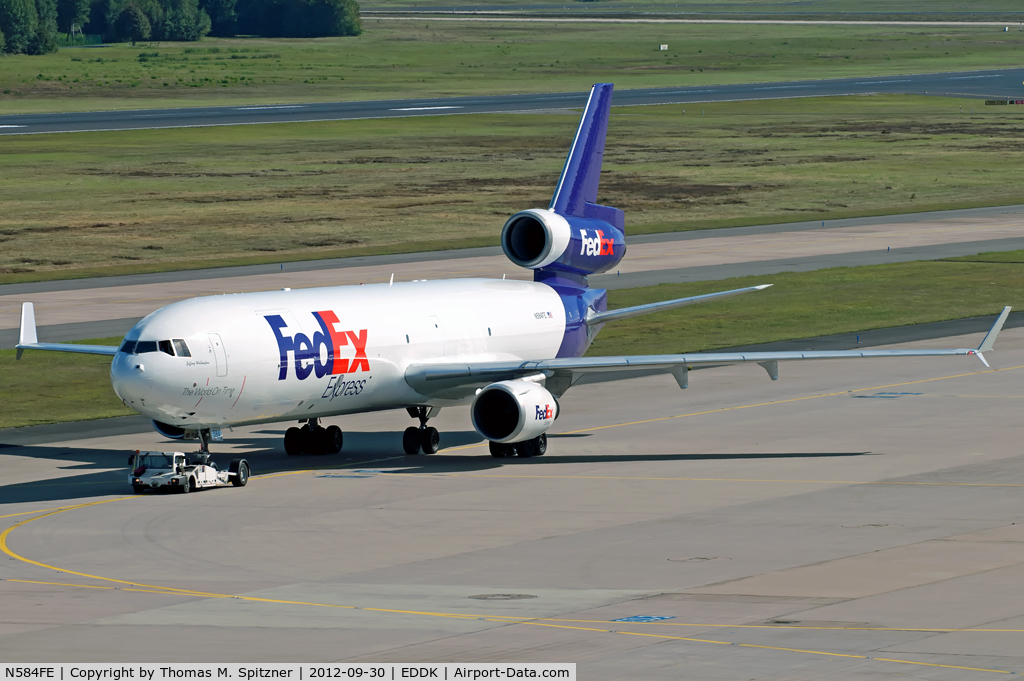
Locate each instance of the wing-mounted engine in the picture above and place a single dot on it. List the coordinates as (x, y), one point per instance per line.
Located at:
(169, 431)
(543, 239)
(513, 411)
(172, 432)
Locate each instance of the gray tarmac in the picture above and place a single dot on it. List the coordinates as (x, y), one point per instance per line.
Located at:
(987, 84)
(851, 520)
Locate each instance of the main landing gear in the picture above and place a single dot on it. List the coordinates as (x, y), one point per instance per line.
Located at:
(537, 446)
(313, 438)
(425, 438)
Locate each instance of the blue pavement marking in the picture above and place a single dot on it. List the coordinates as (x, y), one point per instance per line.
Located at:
(644, 618)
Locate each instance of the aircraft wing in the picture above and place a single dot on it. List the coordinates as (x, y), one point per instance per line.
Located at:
(28, 340)
(450, 380)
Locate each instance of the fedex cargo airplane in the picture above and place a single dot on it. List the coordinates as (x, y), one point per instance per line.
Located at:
(509, 349)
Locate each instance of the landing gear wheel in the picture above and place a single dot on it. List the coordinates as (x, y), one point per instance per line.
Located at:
(526, 448)
(293, 442)
(307, 439)
(240, 468)
(542, 445)
(429, 440)
(500, 450)
(318, 441)
(138, 489)
(411, 440)
(335, 439)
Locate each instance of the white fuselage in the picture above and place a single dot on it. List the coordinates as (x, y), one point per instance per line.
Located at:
(237, 373)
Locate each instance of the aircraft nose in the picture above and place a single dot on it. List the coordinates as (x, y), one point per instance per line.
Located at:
(128, 378)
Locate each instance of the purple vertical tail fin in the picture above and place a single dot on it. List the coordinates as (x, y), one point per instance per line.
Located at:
(576, 192)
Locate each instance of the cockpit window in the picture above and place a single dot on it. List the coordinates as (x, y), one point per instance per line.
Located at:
(171, 347)
(145, 346)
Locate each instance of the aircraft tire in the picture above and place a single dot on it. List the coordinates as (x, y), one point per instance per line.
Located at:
(317, 442)
(307, 440)
(335, 439)
(430, 440)
(526, 448)
(138, 489)
(240, 467)
(542, 445)
(293, 442)
(500, 450)
(411, 440)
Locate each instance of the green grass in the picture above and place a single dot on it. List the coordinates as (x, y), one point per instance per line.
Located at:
(112, 203)
(397, 58)
(853, 9)
(54, 387)
(820, 303)
(51, 387)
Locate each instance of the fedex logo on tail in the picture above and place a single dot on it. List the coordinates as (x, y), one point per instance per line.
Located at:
(307, 354)
(544, 413)
(597, 245)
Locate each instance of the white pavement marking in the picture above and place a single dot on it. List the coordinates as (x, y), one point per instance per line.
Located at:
(264, 108)
(427, 108)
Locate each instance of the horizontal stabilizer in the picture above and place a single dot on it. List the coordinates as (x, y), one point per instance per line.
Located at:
(637, 310)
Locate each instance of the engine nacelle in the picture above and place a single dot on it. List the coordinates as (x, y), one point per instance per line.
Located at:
(539, 238)
(169, 431)
(513, 411)
(175, 432)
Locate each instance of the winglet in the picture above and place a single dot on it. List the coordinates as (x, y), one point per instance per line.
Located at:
(990, 337)
(27, 336)
(576, 192)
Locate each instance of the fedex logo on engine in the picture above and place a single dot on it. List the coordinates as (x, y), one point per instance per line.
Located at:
(597, 245)
(308, 354)
(544, 413)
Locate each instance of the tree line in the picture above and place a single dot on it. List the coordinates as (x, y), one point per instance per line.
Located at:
(35, 26)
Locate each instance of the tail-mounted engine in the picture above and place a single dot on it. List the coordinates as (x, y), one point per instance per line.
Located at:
(513, 411)
(539, 238)
(575, 236)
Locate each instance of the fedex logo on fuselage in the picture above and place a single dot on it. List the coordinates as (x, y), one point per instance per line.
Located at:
(544, 413)
(597, 245)
(308, 354)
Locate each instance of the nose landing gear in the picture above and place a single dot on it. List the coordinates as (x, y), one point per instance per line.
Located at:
(312, 438)
(425, 438)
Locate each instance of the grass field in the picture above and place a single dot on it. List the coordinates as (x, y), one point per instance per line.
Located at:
(107, 203)
(54, 387)
(862, 9)
(421, 58)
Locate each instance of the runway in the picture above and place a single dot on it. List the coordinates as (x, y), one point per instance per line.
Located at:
(986, 84)
(96, 308)
(849, 520)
